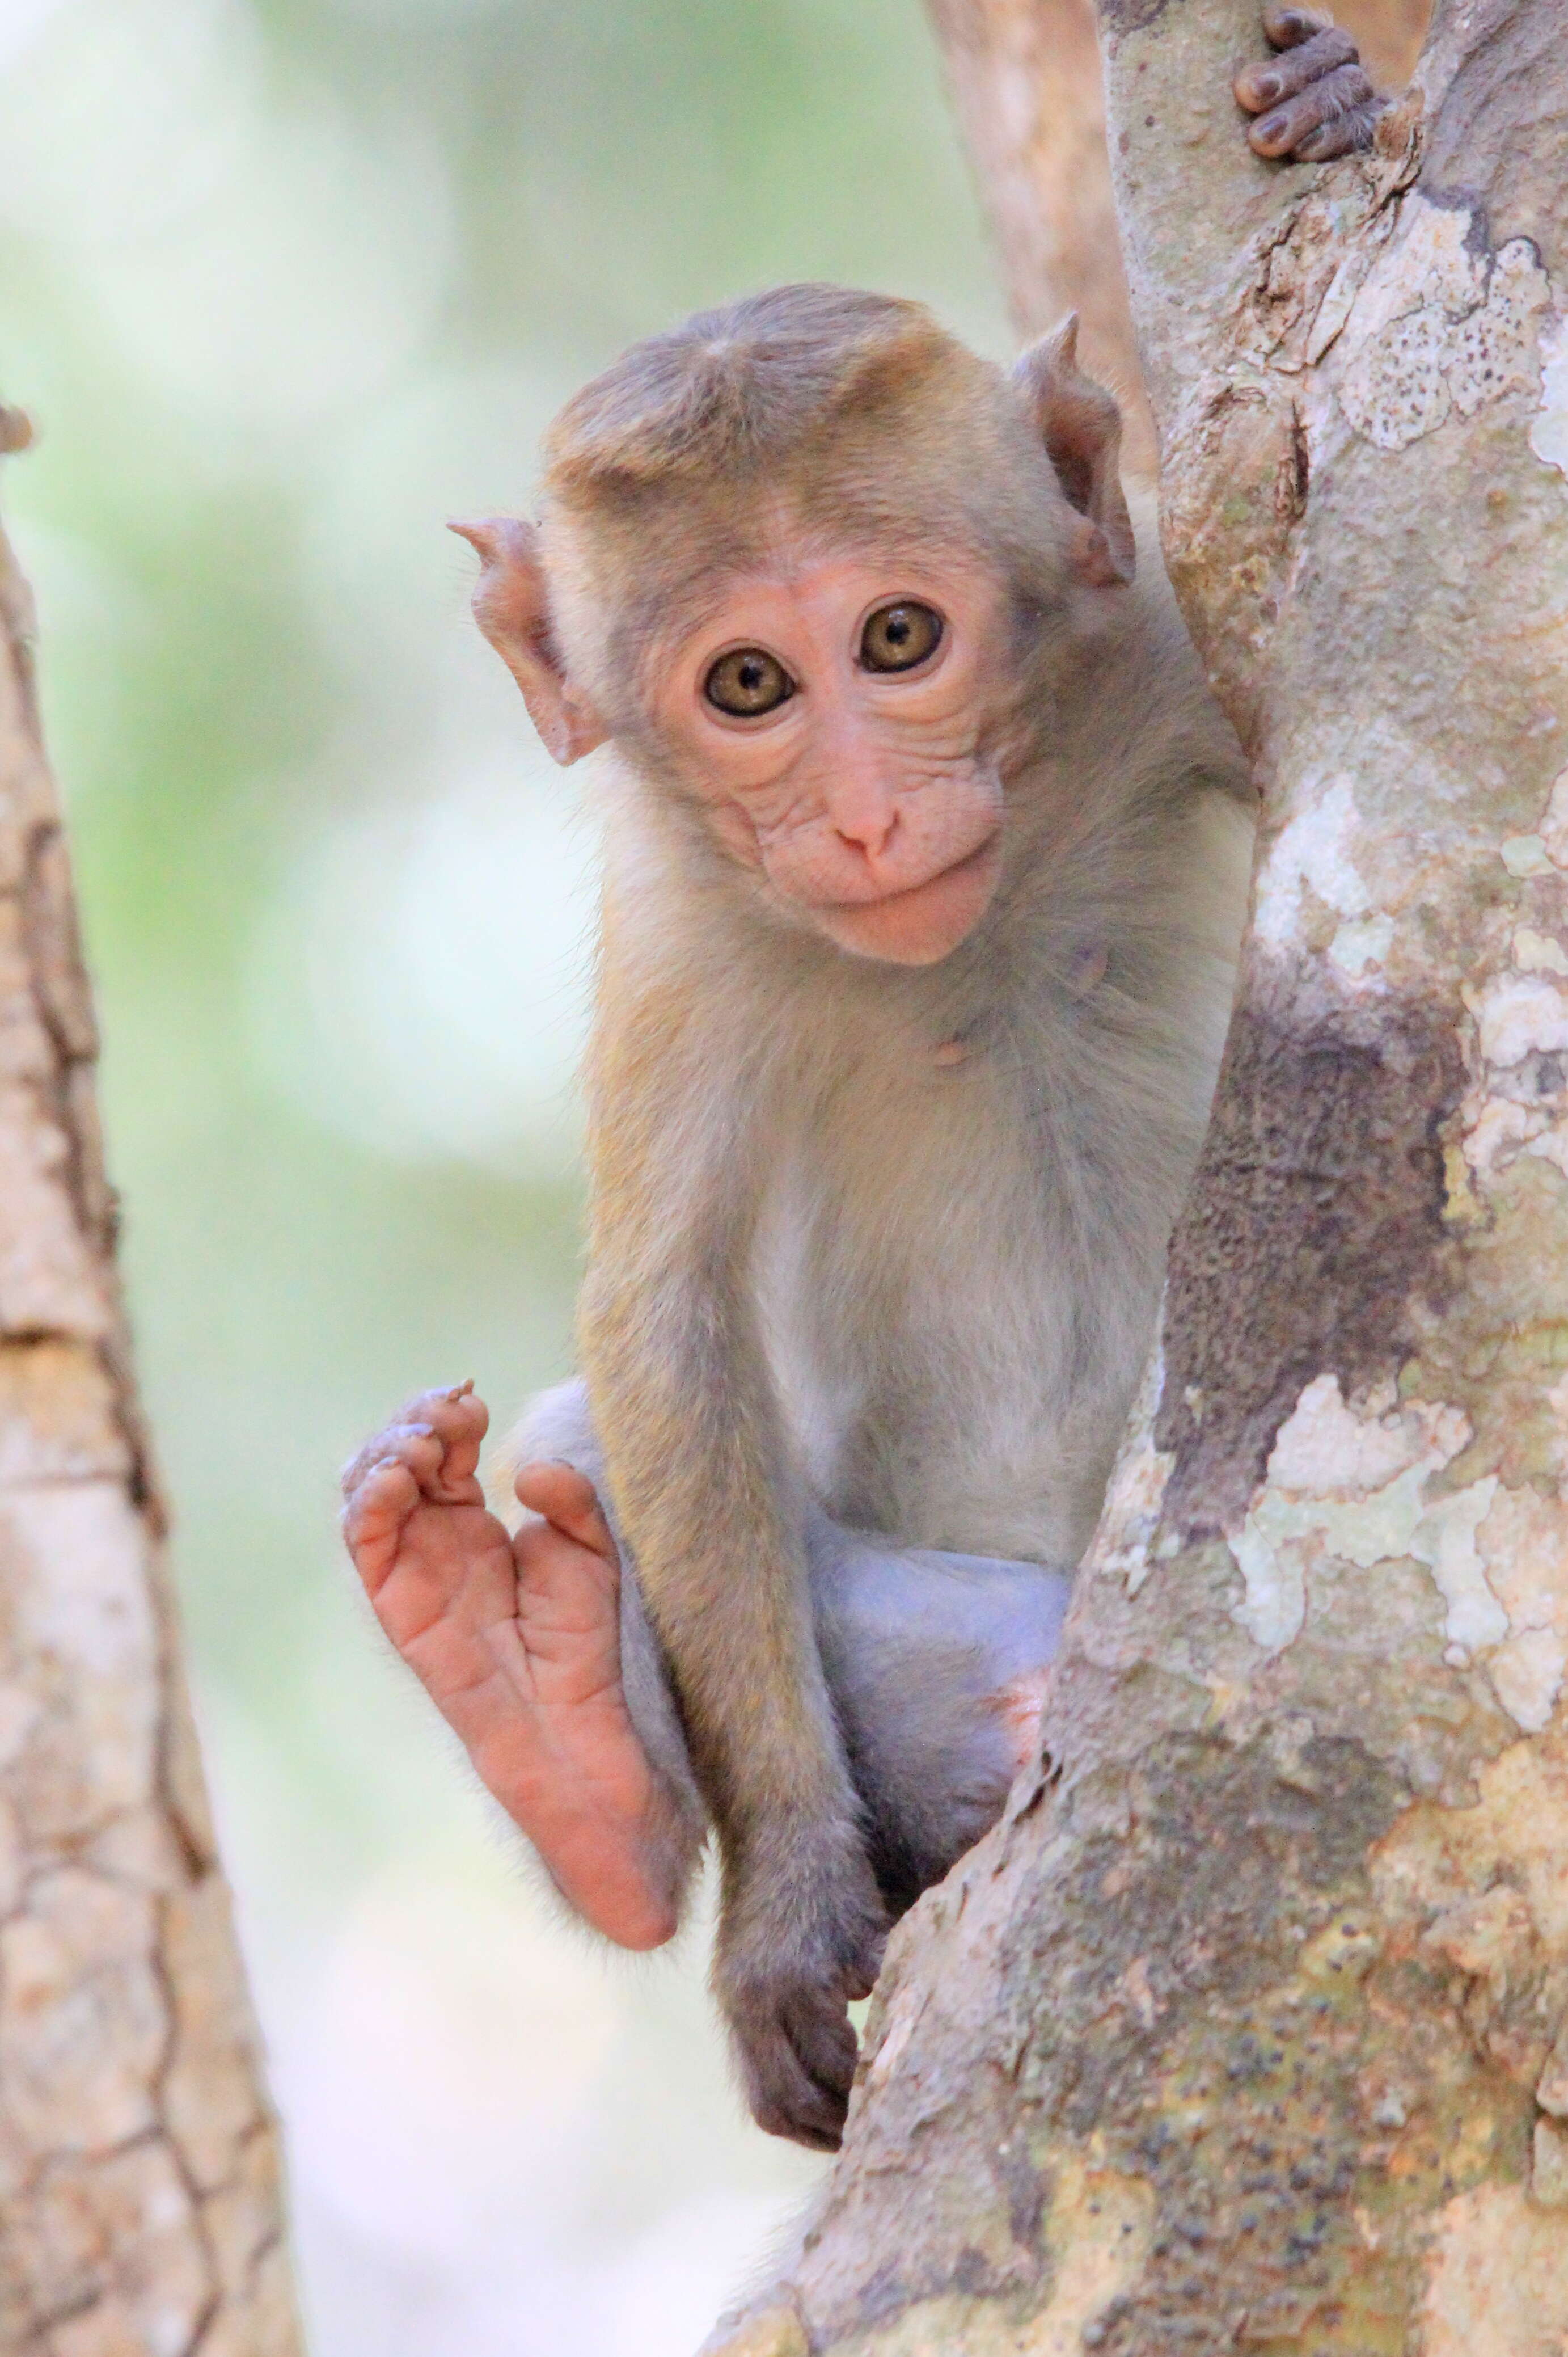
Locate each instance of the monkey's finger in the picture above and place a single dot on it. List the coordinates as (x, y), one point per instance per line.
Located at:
(790, 2094)
(1339, 96)
(822, 2036)
(1264, 84)
(1287, 27)
(1347, 135)
(568, 1499)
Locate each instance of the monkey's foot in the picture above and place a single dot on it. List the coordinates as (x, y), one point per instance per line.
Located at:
(517, 1642)
(1318, 101)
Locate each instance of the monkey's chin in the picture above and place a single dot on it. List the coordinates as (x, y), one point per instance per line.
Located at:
(926, 923)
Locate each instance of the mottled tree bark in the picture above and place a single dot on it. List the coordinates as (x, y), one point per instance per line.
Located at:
(1026, 87)
(140, 2211)
(1248, 2030)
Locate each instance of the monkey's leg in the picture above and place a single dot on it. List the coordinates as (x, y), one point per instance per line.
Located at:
(936, 1663)
(537, 1650)
(515, 1642)
(556, 1428)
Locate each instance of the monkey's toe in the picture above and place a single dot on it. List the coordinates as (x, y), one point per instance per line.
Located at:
(1288, 26)
(567, 1499)
(1327, 118)
(437, 1436)
(1266, 85)
(374, 1513)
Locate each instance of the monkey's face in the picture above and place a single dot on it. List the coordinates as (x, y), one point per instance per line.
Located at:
(833, 723)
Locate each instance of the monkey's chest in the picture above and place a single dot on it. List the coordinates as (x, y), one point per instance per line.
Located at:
(935, 1307)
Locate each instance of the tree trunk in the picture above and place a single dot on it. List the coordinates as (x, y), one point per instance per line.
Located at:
(140, 2211)
(1249, 2027)
(1025, 83)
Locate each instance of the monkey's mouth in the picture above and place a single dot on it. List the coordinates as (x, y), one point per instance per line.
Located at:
(923, 923)
(970, 868)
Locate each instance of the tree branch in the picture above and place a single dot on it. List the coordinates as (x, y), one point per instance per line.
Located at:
(140, 2207)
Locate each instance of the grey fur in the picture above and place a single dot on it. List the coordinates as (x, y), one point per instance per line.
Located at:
(916, 1645)
(875, 1240)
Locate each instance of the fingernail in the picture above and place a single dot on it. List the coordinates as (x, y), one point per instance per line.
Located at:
(1272, 127)
(1267, 86)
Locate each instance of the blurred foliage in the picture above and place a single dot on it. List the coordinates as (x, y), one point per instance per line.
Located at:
(283, 285)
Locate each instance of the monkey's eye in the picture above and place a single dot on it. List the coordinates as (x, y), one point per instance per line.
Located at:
(748, 681)
(896, 637)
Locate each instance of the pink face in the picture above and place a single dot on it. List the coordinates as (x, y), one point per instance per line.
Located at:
(832, 722)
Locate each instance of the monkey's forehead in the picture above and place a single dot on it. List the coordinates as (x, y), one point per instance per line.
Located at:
(670, 596)
(667, 563)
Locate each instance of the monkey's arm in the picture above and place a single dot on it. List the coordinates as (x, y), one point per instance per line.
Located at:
(699, 1477)
(1313, 100)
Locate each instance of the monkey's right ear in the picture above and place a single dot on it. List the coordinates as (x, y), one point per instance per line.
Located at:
(1080, 426)
(511, 606)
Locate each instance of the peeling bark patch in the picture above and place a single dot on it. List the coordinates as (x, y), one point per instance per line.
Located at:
(1518, 1102)
(1549, 433)
(1099, 2227)
(1314, 851)
(1441, 325)
(1356, 1484)
(1137, 1486)
(771, 2332)
(1523, 1544)
(1318, 1202)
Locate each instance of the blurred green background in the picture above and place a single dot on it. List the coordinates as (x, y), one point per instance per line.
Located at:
(284, 286)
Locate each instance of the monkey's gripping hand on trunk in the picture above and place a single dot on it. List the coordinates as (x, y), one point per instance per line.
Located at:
(1313, 101)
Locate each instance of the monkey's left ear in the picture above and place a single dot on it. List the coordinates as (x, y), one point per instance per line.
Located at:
(511, 606)
(1080, 426)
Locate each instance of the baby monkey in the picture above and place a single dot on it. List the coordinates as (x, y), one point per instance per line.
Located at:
(926, 860)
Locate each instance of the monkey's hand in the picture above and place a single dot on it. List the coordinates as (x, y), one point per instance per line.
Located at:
(801, 1933)
(1319, 103)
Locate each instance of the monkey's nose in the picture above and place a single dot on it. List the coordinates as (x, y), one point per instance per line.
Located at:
(871, 836)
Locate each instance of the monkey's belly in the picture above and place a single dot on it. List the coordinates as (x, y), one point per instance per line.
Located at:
(969, 1467)
(1040, 1510)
